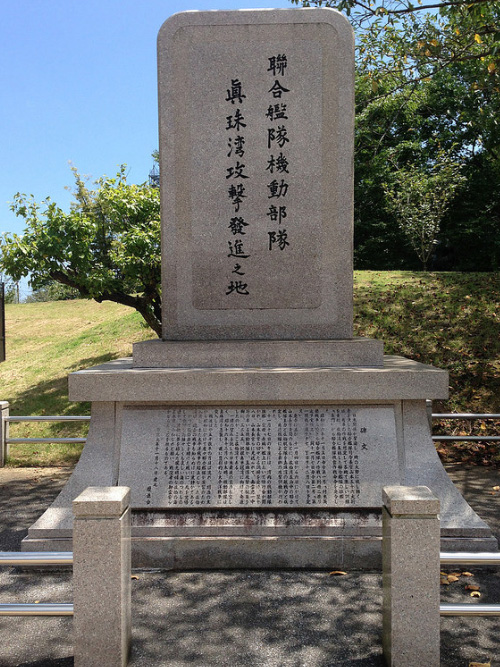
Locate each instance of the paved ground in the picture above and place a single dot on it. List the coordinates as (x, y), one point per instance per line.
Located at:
(231, 619)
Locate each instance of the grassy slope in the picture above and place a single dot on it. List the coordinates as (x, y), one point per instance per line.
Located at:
(447, 319)
(452, 321)
(45, 342)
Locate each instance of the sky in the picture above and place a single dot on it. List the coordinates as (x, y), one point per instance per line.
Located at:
(78, 86)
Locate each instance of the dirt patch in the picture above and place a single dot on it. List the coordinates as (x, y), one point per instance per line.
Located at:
(34, 474)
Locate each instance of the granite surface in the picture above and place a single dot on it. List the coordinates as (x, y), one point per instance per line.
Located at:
(258, 458)
(101, 577)
(397, 379)
(410, 577)
(257, 353)
(256, 166)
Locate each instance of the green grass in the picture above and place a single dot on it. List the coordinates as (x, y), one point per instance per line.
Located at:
(450, 320)
(46, 342)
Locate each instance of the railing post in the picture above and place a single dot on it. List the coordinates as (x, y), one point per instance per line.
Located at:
(4, 432)
(101, 577)
(410, 562)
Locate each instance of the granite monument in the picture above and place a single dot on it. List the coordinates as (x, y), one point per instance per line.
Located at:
(258, 432)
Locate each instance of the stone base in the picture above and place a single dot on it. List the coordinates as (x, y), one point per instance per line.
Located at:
(233, 537)
(258, 353)
(313, 552)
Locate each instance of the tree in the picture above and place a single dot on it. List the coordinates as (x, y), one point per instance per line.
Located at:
(420, 198)
(107, 246)
(427, 80)
(11, 293)
(53, 291)
(406, 41)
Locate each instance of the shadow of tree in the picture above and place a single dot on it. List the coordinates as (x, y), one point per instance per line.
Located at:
(23, 500)
(257, 618)
(53, 393)
(236, 618)
(447, 320)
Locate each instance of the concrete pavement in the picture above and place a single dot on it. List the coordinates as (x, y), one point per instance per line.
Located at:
(231, 619)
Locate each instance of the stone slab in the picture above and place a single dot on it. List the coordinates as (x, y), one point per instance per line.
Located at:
(210, 540)
(401, 500)
(258, 457)
(316, 553)
(256, 120)
(95, 501)
(252, 354)
(259, 522)
(397, 379)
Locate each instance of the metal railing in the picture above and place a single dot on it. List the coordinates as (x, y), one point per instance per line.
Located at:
(36, 558)
(8, 419)
(465, 558)
(465, 438)
(49, 418)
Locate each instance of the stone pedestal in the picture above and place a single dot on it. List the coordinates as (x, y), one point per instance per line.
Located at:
(101, 577)
(150, 431)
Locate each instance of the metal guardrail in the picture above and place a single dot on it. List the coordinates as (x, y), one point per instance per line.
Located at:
(22, 558)
(8, 419)
(463, 415)
(36, 558)
(36, 609)
(465, 438)
(469, 610)
(469, 558)
(49, 418)
(24, 441)
(101, 606)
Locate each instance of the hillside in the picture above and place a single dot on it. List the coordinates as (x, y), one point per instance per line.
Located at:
(449, 320)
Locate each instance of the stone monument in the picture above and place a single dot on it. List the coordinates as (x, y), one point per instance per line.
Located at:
(258, 432)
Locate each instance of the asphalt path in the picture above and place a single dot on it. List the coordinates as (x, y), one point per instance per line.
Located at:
(236, 618)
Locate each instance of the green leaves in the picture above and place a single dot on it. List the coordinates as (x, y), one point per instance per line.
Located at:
(107, 246)
(400, 42)
(419, 198)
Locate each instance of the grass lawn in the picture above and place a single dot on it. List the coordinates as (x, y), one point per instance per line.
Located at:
(450, 320)
(46, 342)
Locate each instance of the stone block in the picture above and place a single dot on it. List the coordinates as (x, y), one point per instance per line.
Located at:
(101, 577)
(397, 379)
(258, 353)
(256, 174)
(410, 562)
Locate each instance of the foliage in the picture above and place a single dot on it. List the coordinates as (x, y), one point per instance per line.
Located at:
(107, 246)
(53, 292)
(11, 293)
(427, 80)
(420, 198)
(449, 320)
(452, 114)
(405, 41)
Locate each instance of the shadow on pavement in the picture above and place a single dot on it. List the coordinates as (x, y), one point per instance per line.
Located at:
(236, 618)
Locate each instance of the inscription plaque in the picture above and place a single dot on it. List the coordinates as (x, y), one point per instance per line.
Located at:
(258, 457)
(261, 120)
